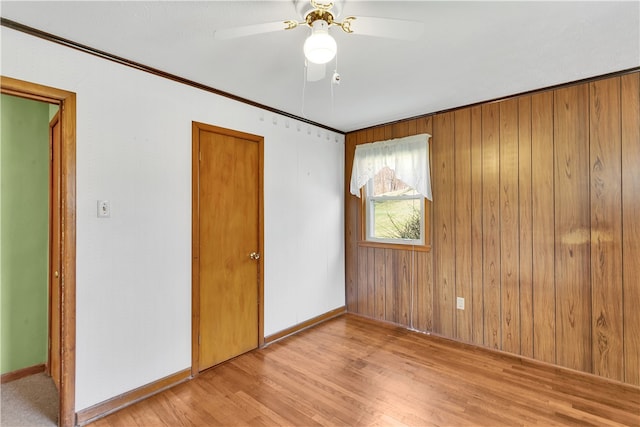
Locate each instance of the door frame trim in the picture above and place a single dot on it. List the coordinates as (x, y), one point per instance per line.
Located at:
(67, 102)
(54, 153)
(195, 233)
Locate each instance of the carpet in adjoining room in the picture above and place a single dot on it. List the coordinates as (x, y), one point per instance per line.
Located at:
(31, 401)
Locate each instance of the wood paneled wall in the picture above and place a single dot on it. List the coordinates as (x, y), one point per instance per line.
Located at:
(535, 223)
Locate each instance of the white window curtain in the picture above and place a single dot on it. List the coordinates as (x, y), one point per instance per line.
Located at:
(408, 157)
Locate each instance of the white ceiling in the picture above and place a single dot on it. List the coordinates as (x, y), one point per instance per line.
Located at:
(469, 52)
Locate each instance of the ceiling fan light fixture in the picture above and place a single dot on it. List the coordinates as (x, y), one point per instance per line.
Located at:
(320, 47)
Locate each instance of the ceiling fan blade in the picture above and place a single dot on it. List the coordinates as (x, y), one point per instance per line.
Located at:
(385, 27)
(315, 72)
(250, 30)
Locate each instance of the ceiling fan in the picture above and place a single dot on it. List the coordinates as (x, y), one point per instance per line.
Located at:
(320, 47)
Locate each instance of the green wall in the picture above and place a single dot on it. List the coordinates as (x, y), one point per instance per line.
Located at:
(24, 236)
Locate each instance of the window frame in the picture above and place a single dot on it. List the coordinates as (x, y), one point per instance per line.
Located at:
(370, 217)
(366, 211)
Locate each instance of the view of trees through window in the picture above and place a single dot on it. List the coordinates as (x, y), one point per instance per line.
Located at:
(397, 208)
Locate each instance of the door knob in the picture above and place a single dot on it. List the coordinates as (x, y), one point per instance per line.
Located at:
(254, 255)
(56, 274)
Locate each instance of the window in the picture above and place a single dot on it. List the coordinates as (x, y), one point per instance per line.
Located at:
(396, 181)
(393, 210)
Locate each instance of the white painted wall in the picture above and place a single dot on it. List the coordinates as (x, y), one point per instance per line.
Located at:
(134, 269)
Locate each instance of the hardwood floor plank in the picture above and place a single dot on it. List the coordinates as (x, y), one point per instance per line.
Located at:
(353, 370)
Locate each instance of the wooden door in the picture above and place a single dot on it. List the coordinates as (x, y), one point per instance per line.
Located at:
(54, 249)
(229, 180)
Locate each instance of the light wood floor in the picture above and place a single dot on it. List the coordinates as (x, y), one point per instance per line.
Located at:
(354, 371)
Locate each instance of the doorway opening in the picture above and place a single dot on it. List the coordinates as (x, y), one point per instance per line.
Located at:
(66, 174)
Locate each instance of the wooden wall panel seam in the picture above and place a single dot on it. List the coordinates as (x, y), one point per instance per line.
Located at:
(525, 241)
(630, 111)
(555, 268)
(454, 226)
(479, 329)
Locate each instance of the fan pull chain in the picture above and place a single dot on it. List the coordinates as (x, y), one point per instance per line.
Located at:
(331, 86)
(304, 86)
(334, 81)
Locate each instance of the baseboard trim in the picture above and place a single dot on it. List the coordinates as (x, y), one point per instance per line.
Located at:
(21, 373)
(304, 325)
(114, 404)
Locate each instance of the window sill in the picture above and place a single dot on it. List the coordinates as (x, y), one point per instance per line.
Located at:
(396, 246)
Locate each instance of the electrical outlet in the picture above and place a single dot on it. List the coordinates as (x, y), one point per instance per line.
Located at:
(460, 303)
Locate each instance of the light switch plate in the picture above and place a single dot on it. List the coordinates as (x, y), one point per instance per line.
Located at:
(104, 209)
(460, 303)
